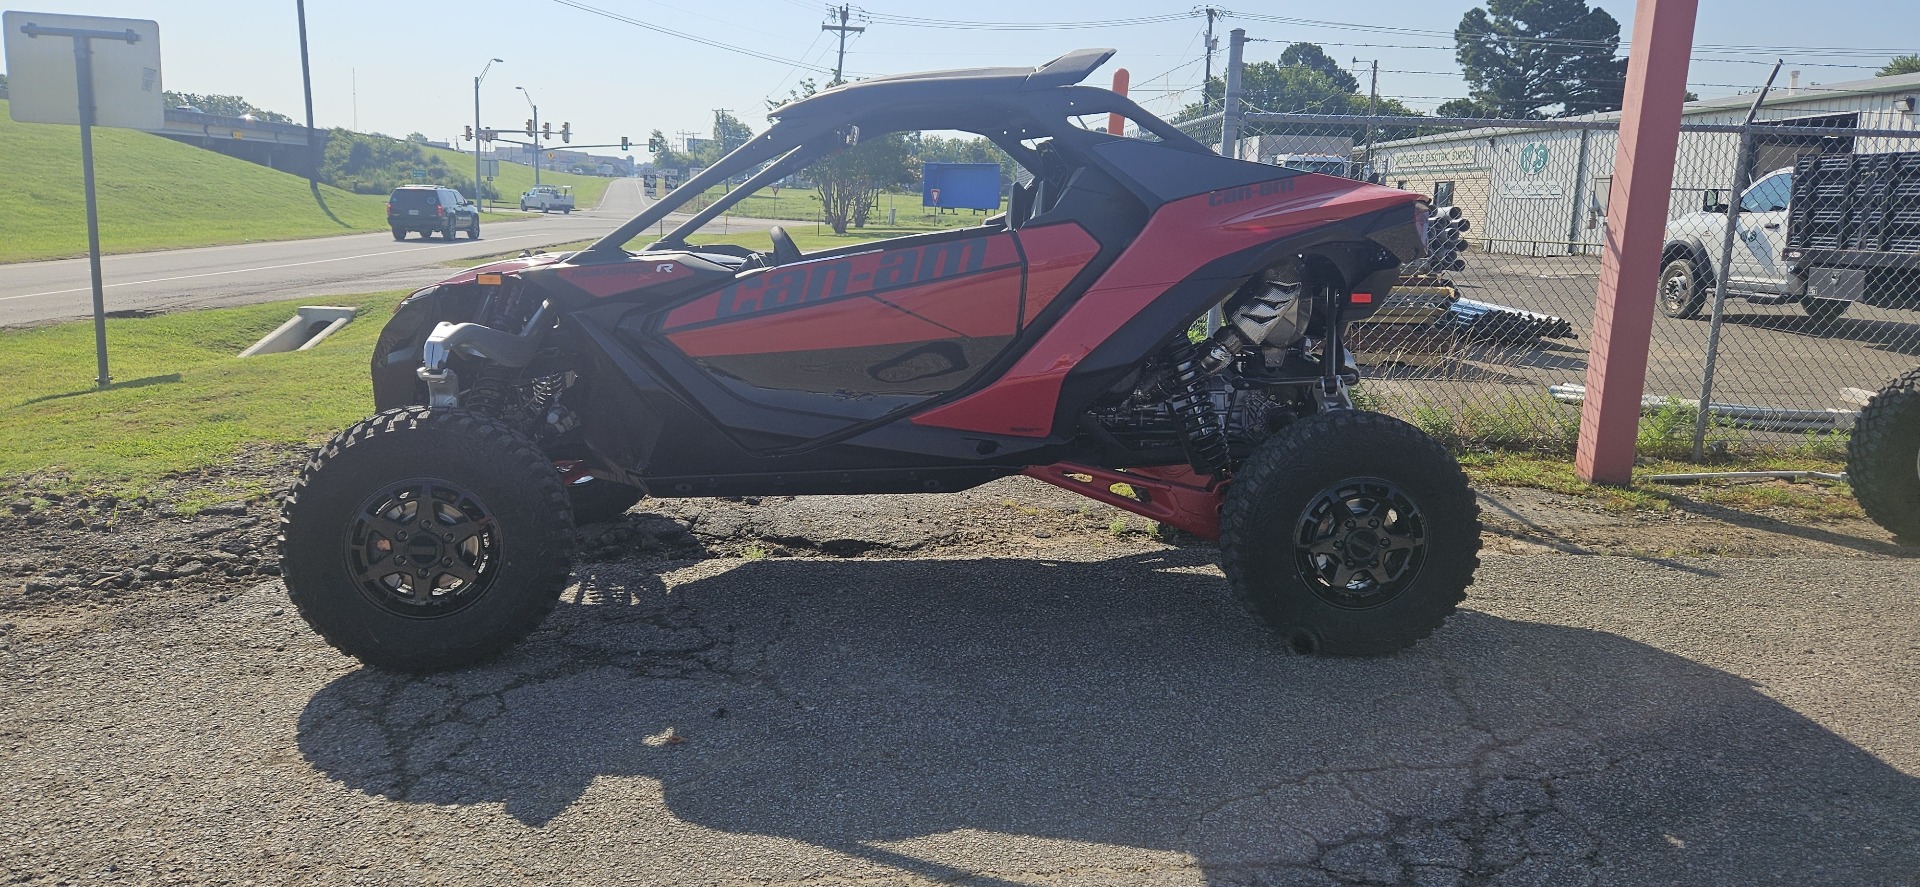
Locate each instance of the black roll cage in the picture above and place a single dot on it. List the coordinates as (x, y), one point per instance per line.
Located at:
(1004, 117)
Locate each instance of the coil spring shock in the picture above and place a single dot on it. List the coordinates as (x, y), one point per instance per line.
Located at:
(1193, 404)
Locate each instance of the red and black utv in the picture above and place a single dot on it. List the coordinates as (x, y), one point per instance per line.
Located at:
(1051, 340)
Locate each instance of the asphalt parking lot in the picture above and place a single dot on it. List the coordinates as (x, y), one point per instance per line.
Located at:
(1769, 355)
(1042, 710)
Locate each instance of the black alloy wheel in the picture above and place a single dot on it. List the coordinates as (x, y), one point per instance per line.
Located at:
(423, 547)
(1361, 543)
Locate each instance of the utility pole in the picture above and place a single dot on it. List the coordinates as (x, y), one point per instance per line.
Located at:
(1212, 44)
(306, 80)
(535, 134)
(1373, 98)
(844, 29)
(1230, 127)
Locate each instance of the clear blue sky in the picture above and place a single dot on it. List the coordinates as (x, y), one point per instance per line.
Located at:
(404, 65)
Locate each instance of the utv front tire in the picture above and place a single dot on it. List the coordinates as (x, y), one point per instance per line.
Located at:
(1351, 534)
(424, 539)
(1883, 457)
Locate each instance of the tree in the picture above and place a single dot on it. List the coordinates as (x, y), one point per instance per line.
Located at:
(1302, 88)
(1462, 108)
(224, 105)
(728, 132)
(1901, 64)
(1537, 58)
(850, 179)
(1313, 58)
(418, 138)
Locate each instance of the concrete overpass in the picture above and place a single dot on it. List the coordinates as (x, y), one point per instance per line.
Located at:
(282, 146)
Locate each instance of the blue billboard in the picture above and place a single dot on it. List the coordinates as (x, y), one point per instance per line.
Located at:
(960, 185)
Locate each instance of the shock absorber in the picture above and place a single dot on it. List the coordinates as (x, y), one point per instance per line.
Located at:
(1199, 421)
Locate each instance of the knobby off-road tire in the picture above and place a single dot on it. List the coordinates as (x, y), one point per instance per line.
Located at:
(598, 501)
(425, 539)
(1883, 457)
(1351, 534)
(1681, 290)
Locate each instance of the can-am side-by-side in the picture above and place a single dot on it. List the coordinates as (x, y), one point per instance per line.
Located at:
(1051, 340)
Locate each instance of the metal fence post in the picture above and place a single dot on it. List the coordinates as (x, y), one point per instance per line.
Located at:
(1742, 173)
(1229, 127)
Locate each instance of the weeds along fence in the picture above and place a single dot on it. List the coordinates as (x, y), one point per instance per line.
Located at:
(1818, 309)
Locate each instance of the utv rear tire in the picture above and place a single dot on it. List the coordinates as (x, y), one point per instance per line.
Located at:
(1883, 457)
(424, 539)
(1681, 291)
(1351, 534)
(600, 501)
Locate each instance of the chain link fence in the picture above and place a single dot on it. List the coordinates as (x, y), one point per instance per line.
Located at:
(1781, 322)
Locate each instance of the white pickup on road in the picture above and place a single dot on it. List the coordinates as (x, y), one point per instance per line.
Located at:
(547, 198)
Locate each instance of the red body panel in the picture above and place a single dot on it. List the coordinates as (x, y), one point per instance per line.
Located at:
(507, 266)
(835, 277)
(1173, 495)
(1055, 253)
(636, 273)
(1180, 238)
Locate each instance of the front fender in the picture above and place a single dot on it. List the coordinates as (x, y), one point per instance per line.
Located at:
(397, 354)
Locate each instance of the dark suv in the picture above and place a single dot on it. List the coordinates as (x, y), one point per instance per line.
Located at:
(428, 209)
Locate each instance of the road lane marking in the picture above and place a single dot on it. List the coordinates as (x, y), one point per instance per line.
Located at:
(391, 252)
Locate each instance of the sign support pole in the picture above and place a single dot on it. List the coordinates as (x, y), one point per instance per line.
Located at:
(83, 65)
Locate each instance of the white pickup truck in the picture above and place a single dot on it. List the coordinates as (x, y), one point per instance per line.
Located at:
(1830, 231)
(547, 198)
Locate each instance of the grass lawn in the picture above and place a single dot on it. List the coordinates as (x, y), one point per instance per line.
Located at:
(154, 193)
(181, 399)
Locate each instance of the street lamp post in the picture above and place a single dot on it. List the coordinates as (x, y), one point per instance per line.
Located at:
(479, 192)
(535, 135)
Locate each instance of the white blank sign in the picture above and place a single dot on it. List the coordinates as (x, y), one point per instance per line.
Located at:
(42, 84)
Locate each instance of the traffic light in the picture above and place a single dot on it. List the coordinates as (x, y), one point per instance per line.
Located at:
(486, 135)
(529, 127)
(626, 144)
(468, 136)
(566, 132)
(654, 146)
(546, 130)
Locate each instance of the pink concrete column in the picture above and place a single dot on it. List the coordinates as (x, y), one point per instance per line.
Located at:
(1637, 216)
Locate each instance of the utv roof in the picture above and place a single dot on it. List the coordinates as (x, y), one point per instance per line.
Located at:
(958, 83)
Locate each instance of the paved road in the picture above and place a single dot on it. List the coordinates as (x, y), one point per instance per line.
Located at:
(1066, 717)
(40, 292)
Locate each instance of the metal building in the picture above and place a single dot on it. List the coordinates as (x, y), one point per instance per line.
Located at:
(1543, 192)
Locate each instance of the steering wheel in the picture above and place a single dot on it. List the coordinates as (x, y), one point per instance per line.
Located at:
(784, 250)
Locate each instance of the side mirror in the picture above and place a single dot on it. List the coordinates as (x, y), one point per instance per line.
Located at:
(1710, 201)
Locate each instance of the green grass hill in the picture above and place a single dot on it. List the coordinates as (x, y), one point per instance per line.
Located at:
(154, 193)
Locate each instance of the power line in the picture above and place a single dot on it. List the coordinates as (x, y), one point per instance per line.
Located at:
(614, 16)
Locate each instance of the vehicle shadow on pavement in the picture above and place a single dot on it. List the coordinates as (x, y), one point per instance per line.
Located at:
(857, 705)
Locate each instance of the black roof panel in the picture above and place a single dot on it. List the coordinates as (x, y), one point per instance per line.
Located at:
(1066, 70)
